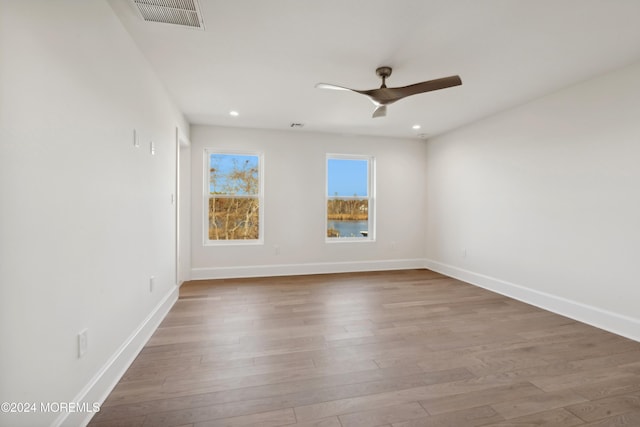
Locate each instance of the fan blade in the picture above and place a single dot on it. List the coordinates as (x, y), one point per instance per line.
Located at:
(380, 111)
(393, 94)
(332, 87)
(429, 86)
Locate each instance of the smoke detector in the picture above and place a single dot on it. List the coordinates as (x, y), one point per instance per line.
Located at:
(185, 13)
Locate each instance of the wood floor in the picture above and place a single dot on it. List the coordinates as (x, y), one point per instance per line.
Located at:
(402, 349)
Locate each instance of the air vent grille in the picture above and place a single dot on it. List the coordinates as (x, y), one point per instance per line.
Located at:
(177, 12)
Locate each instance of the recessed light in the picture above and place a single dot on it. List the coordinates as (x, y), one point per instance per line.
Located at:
(416, 127)
(234, 113)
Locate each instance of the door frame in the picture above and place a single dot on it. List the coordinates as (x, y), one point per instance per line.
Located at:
(182, 143)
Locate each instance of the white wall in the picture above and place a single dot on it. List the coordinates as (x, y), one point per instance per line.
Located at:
(294, 174)
(86, 216)
(546, 202)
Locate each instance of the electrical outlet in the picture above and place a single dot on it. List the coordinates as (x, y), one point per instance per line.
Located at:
(152, 148)
(276, 249)
(83, 343)
(152, 283)
(136, 141)
(464, 252)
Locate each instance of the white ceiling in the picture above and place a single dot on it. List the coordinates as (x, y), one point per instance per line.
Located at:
(263, 58)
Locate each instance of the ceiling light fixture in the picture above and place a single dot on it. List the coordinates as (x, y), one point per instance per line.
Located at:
(234, 113)
(416, 127)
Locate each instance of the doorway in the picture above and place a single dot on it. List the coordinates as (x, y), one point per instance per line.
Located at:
(182, 202)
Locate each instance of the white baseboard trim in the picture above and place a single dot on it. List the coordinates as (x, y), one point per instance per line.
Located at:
(625, 326)
(302, 269)
(106, 379)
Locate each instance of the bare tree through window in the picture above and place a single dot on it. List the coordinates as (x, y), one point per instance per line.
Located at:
(234, 197)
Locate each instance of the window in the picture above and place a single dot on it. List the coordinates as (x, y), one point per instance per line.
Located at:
(350, 198)
(233, 197)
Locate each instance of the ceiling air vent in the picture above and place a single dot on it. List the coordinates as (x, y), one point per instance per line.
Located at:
(177, 12)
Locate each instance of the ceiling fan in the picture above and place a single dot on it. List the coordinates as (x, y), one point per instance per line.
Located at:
(384, 95)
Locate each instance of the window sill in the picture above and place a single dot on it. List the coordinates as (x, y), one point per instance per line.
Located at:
(214, 243)
(349, 240)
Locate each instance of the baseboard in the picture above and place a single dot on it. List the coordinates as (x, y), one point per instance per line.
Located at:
(302, 269)
(106, 379)
(609, 321)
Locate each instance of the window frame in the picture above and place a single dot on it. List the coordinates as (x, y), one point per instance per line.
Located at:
(371, 198)
(207, 196)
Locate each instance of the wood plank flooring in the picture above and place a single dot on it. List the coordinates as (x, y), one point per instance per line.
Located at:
(403, 349)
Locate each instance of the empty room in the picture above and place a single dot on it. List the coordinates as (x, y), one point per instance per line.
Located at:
(330, 213)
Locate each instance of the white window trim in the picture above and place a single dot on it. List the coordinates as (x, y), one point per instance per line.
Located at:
(371, 176)
(205, 199)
